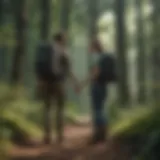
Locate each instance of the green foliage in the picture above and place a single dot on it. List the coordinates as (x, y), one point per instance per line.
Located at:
(113, 112)
(143, 123)
(151, 149)
(7, 35)
(14, 115)
(22, 117)
(4, 145)
(136, 122)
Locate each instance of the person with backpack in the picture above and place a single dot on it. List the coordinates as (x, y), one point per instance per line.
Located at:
(101, 74)
(52, 69)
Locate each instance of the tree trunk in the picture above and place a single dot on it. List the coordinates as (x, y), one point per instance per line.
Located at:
(141, 60)
(66, 7)
(93, 16)
(21, 32)
(123, 87)
(1, 12)
(3, 61)
(1, 37)
(156, 52)
(46, 19)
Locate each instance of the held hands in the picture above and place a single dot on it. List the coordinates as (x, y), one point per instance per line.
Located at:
(77, 85)
(78, 88)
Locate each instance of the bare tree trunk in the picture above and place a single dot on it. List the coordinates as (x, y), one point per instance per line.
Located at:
(21, 31)
(123, 87)
(1, 12)
(1, 37)
(141, 60)
(93, 16)
(156, 52)
(46, 17)
(66, 7)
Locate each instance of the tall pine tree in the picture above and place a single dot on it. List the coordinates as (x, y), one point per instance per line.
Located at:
(123, 87)
(156, 52)
(93, 16)
(21, 21)
(141, 58)
(65, 11)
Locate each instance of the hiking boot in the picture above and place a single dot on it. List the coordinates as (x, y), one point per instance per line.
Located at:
(99, 136)
(94, 140)
(103, 134)
(47, 140)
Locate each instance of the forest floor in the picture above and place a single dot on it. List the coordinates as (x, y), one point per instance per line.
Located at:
(74, 148)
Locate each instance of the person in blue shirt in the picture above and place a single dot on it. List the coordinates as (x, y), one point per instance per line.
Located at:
(98, 93)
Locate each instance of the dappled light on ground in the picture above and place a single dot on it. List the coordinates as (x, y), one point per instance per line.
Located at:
(74, 148)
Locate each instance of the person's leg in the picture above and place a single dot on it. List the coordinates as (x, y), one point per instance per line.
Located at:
(60, 98)
(98, 96)
(47, 114)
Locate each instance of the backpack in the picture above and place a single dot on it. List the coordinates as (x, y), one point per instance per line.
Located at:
(43, 65)
(108, 73)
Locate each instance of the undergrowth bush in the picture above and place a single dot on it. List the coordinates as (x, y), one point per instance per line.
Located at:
(140, 128)
(22, 117)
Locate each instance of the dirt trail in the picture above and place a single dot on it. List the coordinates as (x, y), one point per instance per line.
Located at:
(74, 148)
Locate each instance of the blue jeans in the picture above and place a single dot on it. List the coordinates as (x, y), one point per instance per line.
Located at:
(98, 97)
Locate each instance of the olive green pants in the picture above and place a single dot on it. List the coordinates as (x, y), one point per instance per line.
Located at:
(53, 93)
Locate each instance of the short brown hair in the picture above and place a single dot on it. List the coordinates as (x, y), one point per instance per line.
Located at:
(58, 37)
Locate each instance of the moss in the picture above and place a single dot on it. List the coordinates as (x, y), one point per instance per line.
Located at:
(136, 122)
(5, 146)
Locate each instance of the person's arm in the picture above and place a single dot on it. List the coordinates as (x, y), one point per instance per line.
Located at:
(73, 78)
(69, 70)
(92, 76)
(94, 71)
